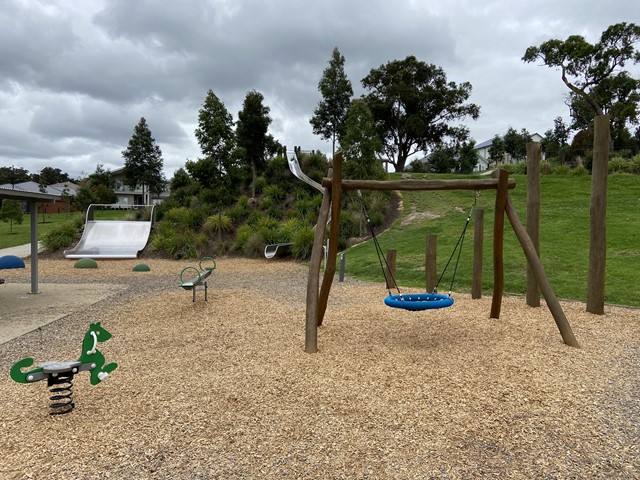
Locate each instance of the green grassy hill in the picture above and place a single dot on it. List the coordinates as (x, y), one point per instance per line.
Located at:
(564, 238)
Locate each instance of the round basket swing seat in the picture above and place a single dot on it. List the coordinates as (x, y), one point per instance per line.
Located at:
(419, 301)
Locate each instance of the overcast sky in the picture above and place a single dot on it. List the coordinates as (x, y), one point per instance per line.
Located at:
(77, 75)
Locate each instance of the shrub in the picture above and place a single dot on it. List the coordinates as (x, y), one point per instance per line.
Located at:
(183, 217)
(619, 165)
(635, 165)
(260, 183)
(302, 243)
(579, 171)
(174, 241)
(266, 203)
(254, 246)
(62, 235)
(242, 236)
(546, 168)
(289, 228)
(215, 222)
(274, 191)
(561, 169)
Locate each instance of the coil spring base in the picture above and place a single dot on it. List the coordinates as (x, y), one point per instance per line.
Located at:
(60, 386)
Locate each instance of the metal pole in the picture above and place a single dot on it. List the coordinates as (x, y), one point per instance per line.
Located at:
(33, 207)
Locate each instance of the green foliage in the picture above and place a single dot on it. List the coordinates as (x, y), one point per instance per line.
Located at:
(11, 212)
(276, 172)
(302, 243)
(217, 222)
(520, 167)
(619, 165)
(564, 238)
(174, 241)
(251, 131)
(413, 105)
(254, 246)
(63, 234)
(14, 175)
(184, 218)
(275, 192)
(328, 119)
(579, 171)
(360, 144)
(289, 228)
(143, 160)
(416, 166)
(259, 184)
(243, 233)
(266, 203)
(593, 72)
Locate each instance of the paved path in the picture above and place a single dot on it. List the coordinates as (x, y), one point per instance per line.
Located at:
(22, 251)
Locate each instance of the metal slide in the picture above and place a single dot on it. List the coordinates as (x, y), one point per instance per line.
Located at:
(112, 238)
(274, 249)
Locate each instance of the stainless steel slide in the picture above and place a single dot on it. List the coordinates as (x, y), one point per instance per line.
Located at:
(111, 238)
(270, 251)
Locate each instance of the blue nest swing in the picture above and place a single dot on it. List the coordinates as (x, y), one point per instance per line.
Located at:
(418, 301)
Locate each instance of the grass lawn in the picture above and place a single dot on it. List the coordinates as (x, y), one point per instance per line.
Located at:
(564, 238)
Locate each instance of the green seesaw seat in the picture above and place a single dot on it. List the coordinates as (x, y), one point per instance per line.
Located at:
(198, 276)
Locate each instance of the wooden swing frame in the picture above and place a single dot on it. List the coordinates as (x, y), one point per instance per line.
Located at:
(318, 295)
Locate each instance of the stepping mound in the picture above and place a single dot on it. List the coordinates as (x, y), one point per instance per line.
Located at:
(86, 263)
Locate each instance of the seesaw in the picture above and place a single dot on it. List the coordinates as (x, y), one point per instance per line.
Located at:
(198, 276)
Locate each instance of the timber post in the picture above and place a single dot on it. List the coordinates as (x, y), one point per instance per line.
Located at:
(430, 273)
(478, 241)
(541, 277)
(498, 243)
(334, 237)
(597, 215)
(313, 280)
(390, 271)
(534, 154)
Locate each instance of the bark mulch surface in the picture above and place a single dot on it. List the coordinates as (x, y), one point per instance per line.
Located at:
(223, 389)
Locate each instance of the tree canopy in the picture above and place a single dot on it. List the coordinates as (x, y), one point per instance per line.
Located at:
(360, 144)
(414, 105)
(217, 171)
(592, 71)
(143, 160)
(329, 117)
(251, 132)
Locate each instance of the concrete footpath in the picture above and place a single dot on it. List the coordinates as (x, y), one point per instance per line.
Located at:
(22, 251)
(22, 312)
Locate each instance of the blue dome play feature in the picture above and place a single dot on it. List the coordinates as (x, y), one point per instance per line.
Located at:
(11, 261)
(418, 301)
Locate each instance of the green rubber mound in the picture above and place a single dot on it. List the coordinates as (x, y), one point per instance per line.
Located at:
(141, 267)
(86, 263)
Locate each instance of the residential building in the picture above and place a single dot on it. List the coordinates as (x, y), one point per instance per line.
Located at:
(484, 161)
(134, 196)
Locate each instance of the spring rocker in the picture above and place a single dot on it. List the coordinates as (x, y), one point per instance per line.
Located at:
(198, 276)
(59, 375)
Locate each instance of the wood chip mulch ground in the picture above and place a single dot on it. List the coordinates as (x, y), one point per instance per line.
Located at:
(224, 390)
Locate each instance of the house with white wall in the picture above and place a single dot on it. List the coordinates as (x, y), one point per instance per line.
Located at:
(484, 160)
(126, 195)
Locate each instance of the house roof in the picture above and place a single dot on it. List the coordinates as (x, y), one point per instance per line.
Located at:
(56, 189)
(26, 196)
(536, 137)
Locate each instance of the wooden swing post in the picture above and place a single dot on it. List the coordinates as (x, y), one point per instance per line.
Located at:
(317, 302)
(498, 243)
